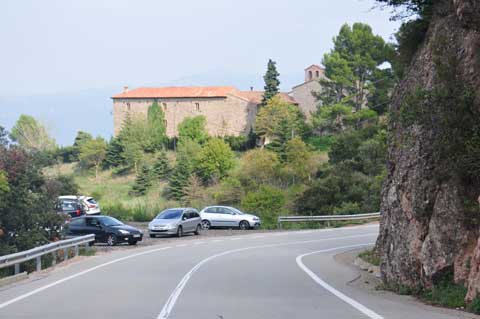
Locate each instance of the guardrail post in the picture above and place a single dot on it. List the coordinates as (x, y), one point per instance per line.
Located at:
(39, 263)
(87, 247)
(279, 224)
(17, 269)
(54, 258)
(65, 254)
(76, 250)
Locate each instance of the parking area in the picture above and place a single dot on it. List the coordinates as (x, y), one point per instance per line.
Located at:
(100, 247)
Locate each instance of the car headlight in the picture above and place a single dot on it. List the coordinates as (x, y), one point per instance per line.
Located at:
(256, 218)
(124, 232)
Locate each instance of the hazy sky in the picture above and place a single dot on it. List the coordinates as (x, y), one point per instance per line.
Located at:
(54, 46)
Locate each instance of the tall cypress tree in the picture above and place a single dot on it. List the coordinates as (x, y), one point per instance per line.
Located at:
(156, 128)
(271, 82)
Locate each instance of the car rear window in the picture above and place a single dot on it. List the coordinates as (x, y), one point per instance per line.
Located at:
(92, 201)
(69, 204)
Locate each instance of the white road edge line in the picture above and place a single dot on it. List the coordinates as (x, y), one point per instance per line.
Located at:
(36, 291)
(355, 304)
(172, 299)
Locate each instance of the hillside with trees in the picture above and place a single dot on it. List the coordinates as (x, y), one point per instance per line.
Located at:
(333, 164)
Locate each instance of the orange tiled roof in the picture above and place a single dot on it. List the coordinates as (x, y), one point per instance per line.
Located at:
(257, 96)
(197, 91)
(173, 92)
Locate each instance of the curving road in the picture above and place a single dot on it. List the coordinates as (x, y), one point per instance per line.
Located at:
(269, 275)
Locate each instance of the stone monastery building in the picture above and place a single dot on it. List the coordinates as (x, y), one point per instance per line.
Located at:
(228, 110)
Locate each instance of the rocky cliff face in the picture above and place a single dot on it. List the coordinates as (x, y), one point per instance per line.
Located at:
(431, 215)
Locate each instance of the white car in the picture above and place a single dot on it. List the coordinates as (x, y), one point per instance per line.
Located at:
(89, 205)
(224, 216)
(92, 207)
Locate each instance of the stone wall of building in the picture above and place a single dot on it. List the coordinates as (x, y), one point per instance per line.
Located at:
(229, 115)
(303, 96)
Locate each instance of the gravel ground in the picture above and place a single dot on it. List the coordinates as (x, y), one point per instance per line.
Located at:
(147, 241)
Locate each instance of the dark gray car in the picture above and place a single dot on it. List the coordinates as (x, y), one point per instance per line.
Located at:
(176, 221)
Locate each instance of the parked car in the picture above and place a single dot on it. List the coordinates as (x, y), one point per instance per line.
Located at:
(176, 221)
(105, 228)
(92, 207)
(224, 216)
(70, 205)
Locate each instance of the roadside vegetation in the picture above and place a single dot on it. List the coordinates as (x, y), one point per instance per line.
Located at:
(370, 257)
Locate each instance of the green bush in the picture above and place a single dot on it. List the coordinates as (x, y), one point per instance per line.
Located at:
(320, 143)
(474, 306)
(267, 202)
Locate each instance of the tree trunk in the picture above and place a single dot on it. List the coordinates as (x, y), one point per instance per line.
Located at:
(429, 226)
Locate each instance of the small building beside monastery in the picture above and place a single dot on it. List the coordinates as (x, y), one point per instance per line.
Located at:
(303, 93)
(229, 111)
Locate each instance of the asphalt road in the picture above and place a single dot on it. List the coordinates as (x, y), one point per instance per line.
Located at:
(270, 275)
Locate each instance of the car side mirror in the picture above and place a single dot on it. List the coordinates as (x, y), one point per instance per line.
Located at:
(184, 217)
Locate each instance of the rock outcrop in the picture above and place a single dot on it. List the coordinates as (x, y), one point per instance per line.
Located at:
(431, 218)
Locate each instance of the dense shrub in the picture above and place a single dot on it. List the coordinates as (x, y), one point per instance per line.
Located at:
(267, 202)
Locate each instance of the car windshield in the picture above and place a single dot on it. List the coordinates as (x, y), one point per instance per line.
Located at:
(109, 221)
(170, 214)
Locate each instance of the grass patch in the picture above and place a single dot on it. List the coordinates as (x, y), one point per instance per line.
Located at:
(445, 292)
(370, 257)
(91, 251)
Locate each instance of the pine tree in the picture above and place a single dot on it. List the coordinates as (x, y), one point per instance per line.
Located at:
(271, 82)
(114, 156)
(179, 179)
(161, 168)
(143, 181)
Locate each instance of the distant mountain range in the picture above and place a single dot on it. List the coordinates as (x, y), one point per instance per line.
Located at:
(66, 113)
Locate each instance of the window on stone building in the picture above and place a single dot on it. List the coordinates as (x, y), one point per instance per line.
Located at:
(165, 123)
(317, 74)
(197, 106)
(310, 75)
(128, 106)
(164, 106)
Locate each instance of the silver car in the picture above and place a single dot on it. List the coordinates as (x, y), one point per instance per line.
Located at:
(176, 221)
(224, 216)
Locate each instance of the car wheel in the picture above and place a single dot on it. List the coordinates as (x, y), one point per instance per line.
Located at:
(179, 231)
(197, 230)
(244, 225)
(206, 224)
(132, 242)
(152, 236)
(111, 240)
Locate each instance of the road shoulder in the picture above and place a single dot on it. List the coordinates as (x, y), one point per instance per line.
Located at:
(369, 283)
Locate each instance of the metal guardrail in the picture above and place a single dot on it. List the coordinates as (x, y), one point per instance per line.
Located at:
(36, 253)
(326, 218)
